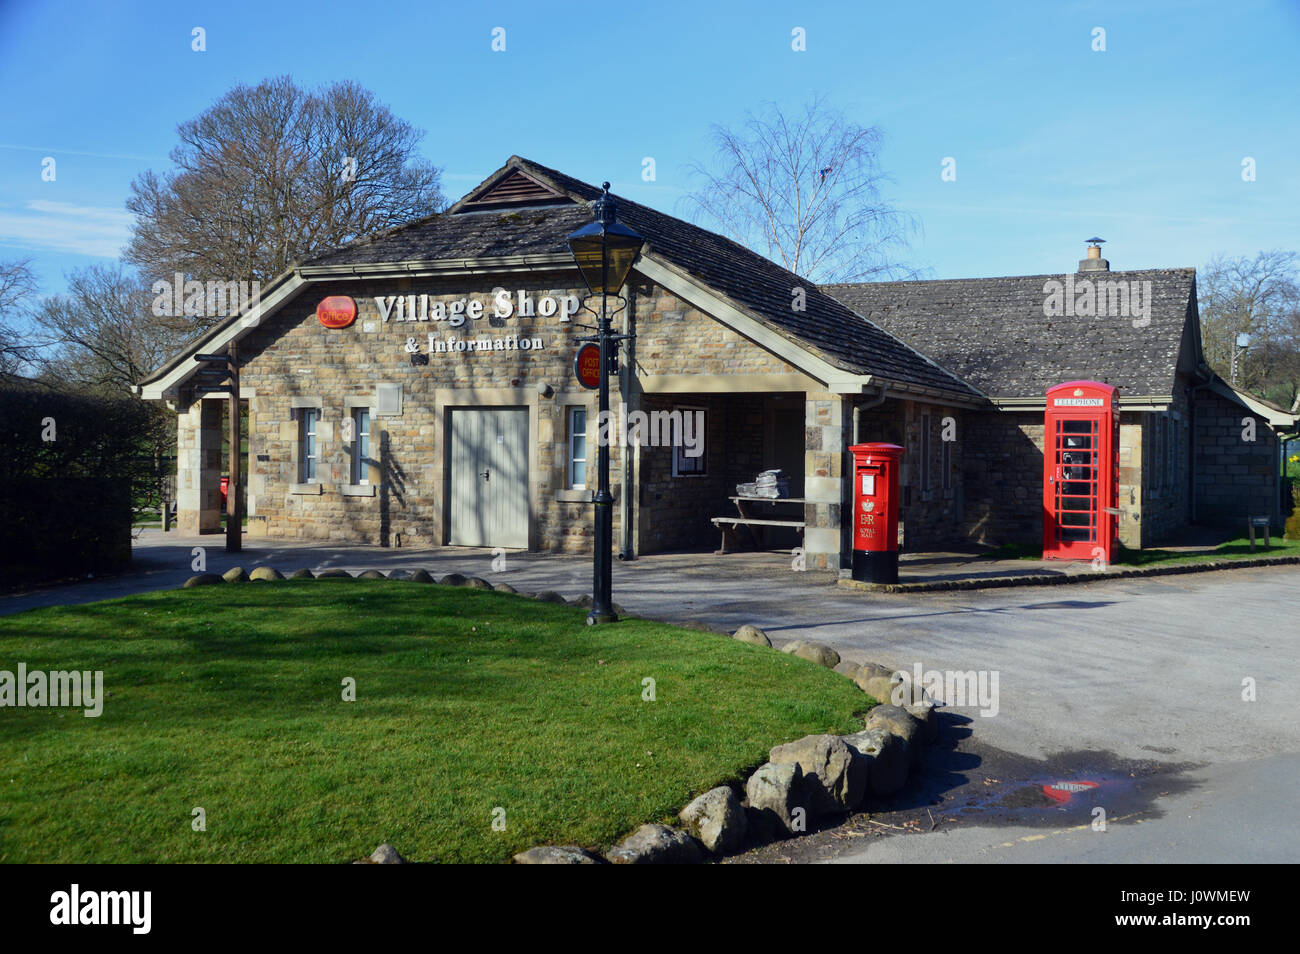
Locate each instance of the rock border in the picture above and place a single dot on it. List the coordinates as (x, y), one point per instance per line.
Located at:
(998, 582)
(816, 777)
(267, 574)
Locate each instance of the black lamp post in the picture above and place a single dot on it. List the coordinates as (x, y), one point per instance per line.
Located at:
(604, 252)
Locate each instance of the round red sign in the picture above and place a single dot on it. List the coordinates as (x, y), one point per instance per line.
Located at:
(336, 311)
(586, 365)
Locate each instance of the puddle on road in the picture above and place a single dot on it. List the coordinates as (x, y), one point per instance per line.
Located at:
(1002, 788)
(969, 785)
(1046, 795)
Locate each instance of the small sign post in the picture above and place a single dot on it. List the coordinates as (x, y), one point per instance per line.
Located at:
(1260, 522)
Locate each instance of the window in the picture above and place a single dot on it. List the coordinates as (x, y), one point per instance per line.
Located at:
(308, 418)
(361, 445)
(925, 451)
(577, 472)
(689, 448)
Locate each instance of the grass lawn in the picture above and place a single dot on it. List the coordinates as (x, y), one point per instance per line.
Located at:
(230, 698)
(1236, 549)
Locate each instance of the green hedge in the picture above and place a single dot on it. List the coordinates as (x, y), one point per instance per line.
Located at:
(67, 474)
(57, 527)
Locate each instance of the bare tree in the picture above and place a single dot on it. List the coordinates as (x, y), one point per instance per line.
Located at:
(269, 175)
(806, 192)
(17, 284)
(102, 333)
(101, 337)
(1258, 296)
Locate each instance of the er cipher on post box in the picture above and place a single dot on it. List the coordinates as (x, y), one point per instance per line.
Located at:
(875, 512)
(1081, 472)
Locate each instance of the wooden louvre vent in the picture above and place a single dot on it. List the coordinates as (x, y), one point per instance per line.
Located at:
(514, 188)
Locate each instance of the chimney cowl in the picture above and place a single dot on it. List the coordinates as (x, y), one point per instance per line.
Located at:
(1094, 262)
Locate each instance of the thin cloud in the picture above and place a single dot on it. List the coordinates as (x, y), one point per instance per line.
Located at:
(51, 151)
(65, 227)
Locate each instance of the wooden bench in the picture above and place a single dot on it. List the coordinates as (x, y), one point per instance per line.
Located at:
(747, 520)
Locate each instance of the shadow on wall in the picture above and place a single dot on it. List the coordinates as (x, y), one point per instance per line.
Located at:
(1003, 479)
(392, 486)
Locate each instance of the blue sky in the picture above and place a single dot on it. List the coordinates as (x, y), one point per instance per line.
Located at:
(1141, 144)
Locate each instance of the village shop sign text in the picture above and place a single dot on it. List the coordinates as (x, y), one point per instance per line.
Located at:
(503, 305)
(406, 308)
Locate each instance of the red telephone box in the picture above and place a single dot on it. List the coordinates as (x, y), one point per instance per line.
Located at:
(1081, 472)
(875, 512)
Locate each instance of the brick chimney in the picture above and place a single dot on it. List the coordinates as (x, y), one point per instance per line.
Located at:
(1094, 262)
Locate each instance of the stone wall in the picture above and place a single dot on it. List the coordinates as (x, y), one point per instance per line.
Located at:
(291, 361)
(1003, 472)
(674, 337)
(1154, 468)
(1002, 476)
(931, 516)
(198, 462)
(673, 511)
(1234, 477)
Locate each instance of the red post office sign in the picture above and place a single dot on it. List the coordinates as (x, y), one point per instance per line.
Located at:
(336, 311)
(586, 366)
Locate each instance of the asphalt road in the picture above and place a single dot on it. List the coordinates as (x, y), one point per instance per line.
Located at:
(1137, 684)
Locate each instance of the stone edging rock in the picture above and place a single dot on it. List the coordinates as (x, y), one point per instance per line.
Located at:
(997, 582)
(236, 574)
(817, 776)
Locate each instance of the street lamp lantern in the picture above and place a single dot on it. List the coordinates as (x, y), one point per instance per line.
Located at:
(1243, 342)
(605, 249)
(604, 252)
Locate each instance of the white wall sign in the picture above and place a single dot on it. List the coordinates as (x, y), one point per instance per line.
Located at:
(502, 304)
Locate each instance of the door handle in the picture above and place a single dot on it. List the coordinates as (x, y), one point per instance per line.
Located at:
(486, 475)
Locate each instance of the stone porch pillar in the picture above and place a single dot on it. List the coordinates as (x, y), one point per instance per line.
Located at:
(198, 468)
(826, 418)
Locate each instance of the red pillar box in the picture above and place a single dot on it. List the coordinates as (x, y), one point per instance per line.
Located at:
(875, 512)
(1081, 472)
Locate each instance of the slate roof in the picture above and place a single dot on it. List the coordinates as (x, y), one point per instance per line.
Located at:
(758, 286)
(994, 334)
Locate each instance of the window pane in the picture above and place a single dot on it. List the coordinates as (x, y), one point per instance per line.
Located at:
(579, 473)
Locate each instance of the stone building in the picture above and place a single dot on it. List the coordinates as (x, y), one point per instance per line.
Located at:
(1192, 448)
(416, 388)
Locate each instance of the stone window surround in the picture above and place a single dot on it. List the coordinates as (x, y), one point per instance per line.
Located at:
(349, 403)
(566, 400)
(296, 403)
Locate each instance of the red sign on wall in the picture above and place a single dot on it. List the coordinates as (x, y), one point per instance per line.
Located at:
(586, 366)
(336, 311)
